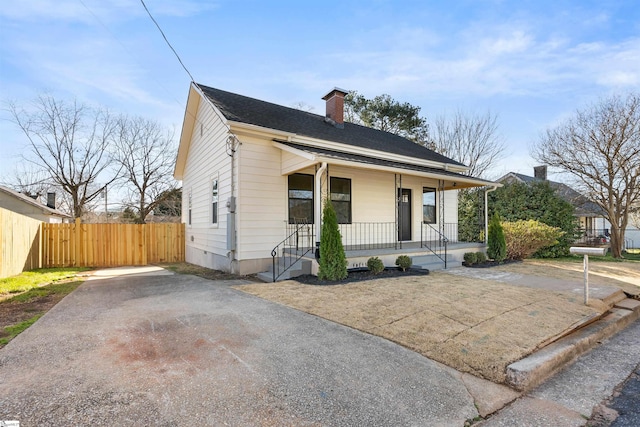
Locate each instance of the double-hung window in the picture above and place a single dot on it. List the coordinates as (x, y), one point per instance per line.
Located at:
(341, 199)
(300, 198)
(429, 205)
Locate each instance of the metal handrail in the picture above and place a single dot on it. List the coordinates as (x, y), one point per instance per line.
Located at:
(442, 240)
(289, 256)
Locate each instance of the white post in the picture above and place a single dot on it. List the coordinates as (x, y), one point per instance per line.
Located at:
(317, 214)
(585, 264)
(586, 279)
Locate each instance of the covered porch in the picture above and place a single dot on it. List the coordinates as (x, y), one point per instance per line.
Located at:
(385, 208)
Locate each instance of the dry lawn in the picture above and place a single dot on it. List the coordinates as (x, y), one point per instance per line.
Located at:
(475, 326)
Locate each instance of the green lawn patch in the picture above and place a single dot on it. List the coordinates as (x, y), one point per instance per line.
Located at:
(36, 278)
(28, 296)
(43, 291)
(10, 332)
(628, 256)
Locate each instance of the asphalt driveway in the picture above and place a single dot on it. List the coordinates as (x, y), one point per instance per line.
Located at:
(162, 349)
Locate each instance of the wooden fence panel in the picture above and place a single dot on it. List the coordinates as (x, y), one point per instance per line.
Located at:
(112, 245)
(20, 237)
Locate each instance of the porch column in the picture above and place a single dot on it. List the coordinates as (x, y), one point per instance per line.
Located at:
(317, 203)
(486, 213)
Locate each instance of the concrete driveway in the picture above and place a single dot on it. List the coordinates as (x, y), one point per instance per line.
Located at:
(146, 347)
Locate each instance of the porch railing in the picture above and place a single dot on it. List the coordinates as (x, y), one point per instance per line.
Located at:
(593, 237)
(297, 244)
(434, 240)
(368, 235)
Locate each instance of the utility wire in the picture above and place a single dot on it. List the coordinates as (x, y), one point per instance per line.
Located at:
(166, 40)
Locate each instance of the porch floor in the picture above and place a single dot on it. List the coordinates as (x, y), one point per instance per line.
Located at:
(406, 248)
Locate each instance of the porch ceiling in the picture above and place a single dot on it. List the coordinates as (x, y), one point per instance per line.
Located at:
(313, 155)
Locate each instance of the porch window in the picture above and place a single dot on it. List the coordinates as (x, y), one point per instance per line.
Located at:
(300, 198)
(341, 199)
(428, 205)
(214, 201)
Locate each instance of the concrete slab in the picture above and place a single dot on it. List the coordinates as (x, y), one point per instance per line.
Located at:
(531, 371)
(600, 292)
(628, 304)
(529, 411)
(140, 349)
(147, 270)
(593, 377)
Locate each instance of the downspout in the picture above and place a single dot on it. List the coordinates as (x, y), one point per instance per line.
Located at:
(317, 215)
(232, 236)
(486, 213)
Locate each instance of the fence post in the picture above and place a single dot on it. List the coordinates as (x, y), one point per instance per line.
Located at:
(77, 261)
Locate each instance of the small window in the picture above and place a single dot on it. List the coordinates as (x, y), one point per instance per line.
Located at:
(429, 205)
(190, 204)
(300, 198)
(214, 201)
(341, 199)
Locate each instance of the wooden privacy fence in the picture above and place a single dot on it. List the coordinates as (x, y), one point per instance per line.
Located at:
(20, 239)
(111, 245)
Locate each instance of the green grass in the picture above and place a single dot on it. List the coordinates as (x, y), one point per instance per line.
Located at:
(39, 292)
(628, 256)
(35, 278)
(14, 330)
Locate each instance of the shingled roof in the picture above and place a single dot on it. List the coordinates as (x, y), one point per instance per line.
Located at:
(265, 114)
(583, 206)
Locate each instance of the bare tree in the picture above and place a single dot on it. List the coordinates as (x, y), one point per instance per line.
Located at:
(70, 142)
(469, 138)
(146, 153)
(600, 147)
(30, 181)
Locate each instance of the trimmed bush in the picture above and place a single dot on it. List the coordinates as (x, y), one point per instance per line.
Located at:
(375, 265)
(470, 258)
(524, 238)
(481, 257)
(497, 248)
(333, 261)
(403, 262)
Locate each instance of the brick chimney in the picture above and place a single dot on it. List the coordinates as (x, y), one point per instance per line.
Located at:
(335, 106)
(540, 172)
(51, 200)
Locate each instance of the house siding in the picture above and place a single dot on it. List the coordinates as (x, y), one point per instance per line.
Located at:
(206, 243)
(292, 162)
(262, 201)
(16, 205)
(374, 198)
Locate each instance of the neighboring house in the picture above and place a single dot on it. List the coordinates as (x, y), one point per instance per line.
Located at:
(25, 205)
(255, 174)
(590, 215)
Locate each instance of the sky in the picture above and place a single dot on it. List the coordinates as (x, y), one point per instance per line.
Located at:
(532, 63)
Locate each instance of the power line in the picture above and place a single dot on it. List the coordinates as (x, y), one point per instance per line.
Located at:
(166, 40)
(215, 109)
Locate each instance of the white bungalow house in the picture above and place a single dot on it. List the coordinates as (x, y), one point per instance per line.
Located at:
(255, 175)
(25, 205)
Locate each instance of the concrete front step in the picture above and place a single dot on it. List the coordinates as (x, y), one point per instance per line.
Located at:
(531, 371)
(300, 267)
(433, 262)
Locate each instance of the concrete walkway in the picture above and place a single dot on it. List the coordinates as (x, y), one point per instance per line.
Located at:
(142, 347)
(569, 398)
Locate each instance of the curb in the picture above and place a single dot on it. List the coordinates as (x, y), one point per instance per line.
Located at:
(534, 369)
